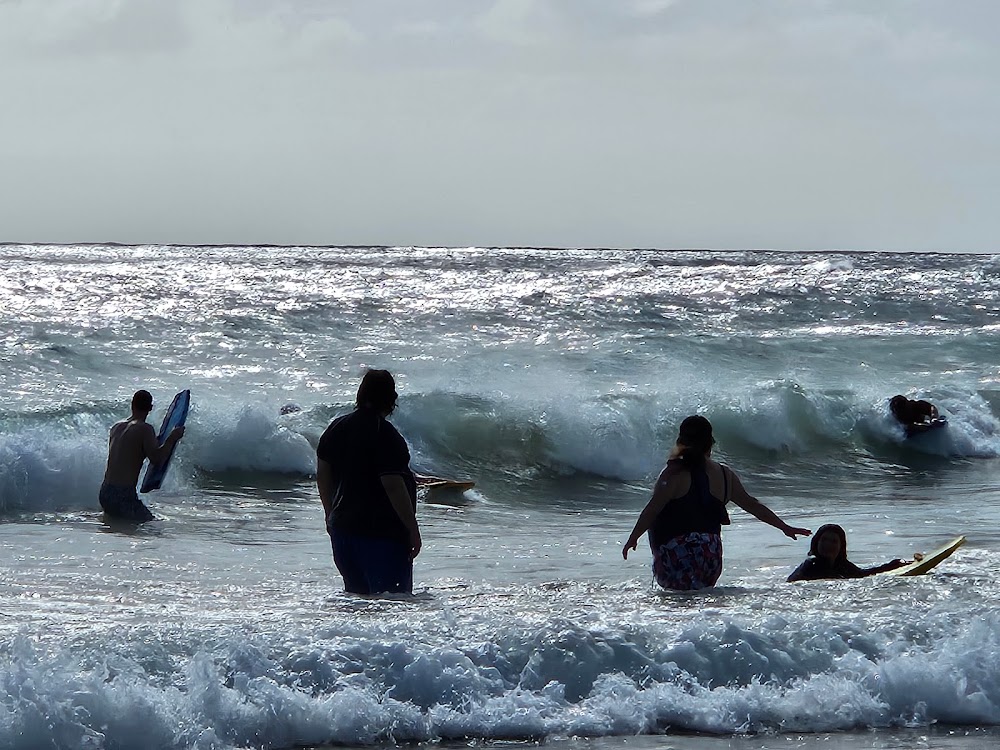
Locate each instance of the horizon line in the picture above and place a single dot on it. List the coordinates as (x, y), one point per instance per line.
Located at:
(551, 248)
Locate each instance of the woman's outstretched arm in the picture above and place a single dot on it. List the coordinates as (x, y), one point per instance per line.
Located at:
(758, 510)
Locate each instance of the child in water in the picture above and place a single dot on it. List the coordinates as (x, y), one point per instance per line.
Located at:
(828, 558)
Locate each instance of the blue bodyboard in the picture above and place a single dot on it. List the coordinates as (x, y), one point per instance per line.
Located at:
(175, 417)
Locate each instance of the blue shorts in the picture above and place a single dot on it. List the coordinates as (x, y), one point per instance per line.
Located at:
(122, 502)
(371, 565)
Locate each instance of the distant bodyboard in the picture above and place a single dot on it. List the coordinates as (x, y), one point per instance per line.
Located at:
(922, 428)
(175, 417)
(448, 484)
(928, 561)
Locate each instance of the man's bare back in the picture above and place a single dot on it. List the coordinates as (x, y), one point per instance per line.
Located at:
(127, 449)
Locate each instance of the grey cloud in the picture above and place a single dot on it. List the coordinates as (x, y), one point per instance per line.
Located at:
(792, 124)
(104, 27)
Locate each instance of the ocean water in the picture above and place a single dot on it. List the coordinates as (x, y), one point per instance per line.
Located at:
(556, 380)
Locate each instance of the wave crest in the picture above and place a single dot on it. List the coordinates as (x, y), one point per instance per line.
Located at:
(56, 461)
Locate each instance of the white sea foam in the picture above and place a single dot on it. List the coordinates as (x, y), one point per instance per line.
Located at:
(46, 469)
(972, 429)
(562, 679)
(248, 437)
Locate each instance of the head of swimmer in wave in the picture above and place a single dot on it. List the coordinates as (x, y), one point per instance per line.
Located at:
(829, 543)
(377, 391)
(694, 441)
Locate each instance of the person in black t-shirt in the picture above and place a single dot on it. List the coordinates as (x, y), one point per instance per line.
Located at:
(369, 494)
(828, 558)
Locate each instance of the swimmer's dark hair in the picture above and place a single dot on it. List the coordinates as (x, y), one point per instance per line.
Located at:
(142, 401)
(377, 391)
(695, 435)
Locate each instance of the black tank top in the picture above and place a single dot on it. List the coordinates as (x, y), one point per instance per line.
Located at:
(697, 511)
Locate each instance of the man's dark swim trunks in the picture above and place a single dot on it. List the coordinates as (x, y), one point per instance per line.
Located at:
(123, 502)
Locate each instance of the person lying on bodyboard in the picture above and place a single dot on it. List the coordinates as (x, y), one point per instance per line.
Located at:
(828, 558)
(916, 416)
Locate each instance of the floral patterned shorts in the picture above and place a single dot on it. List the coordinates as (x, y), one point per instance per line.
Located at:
(689, 562)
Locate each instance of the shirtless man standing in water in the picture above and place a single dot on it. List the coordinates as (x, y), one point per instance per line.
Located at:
(131, 442)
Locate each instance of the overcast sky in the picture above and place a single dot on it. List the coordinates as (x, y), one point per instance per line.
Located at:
(655, 123)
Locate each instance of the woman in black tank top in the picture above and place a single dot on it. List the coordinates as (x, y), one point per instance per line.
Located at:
(685, 519)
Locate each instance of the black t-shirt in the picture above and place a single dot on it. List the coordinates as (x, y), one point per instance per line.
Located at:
(361, 448)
